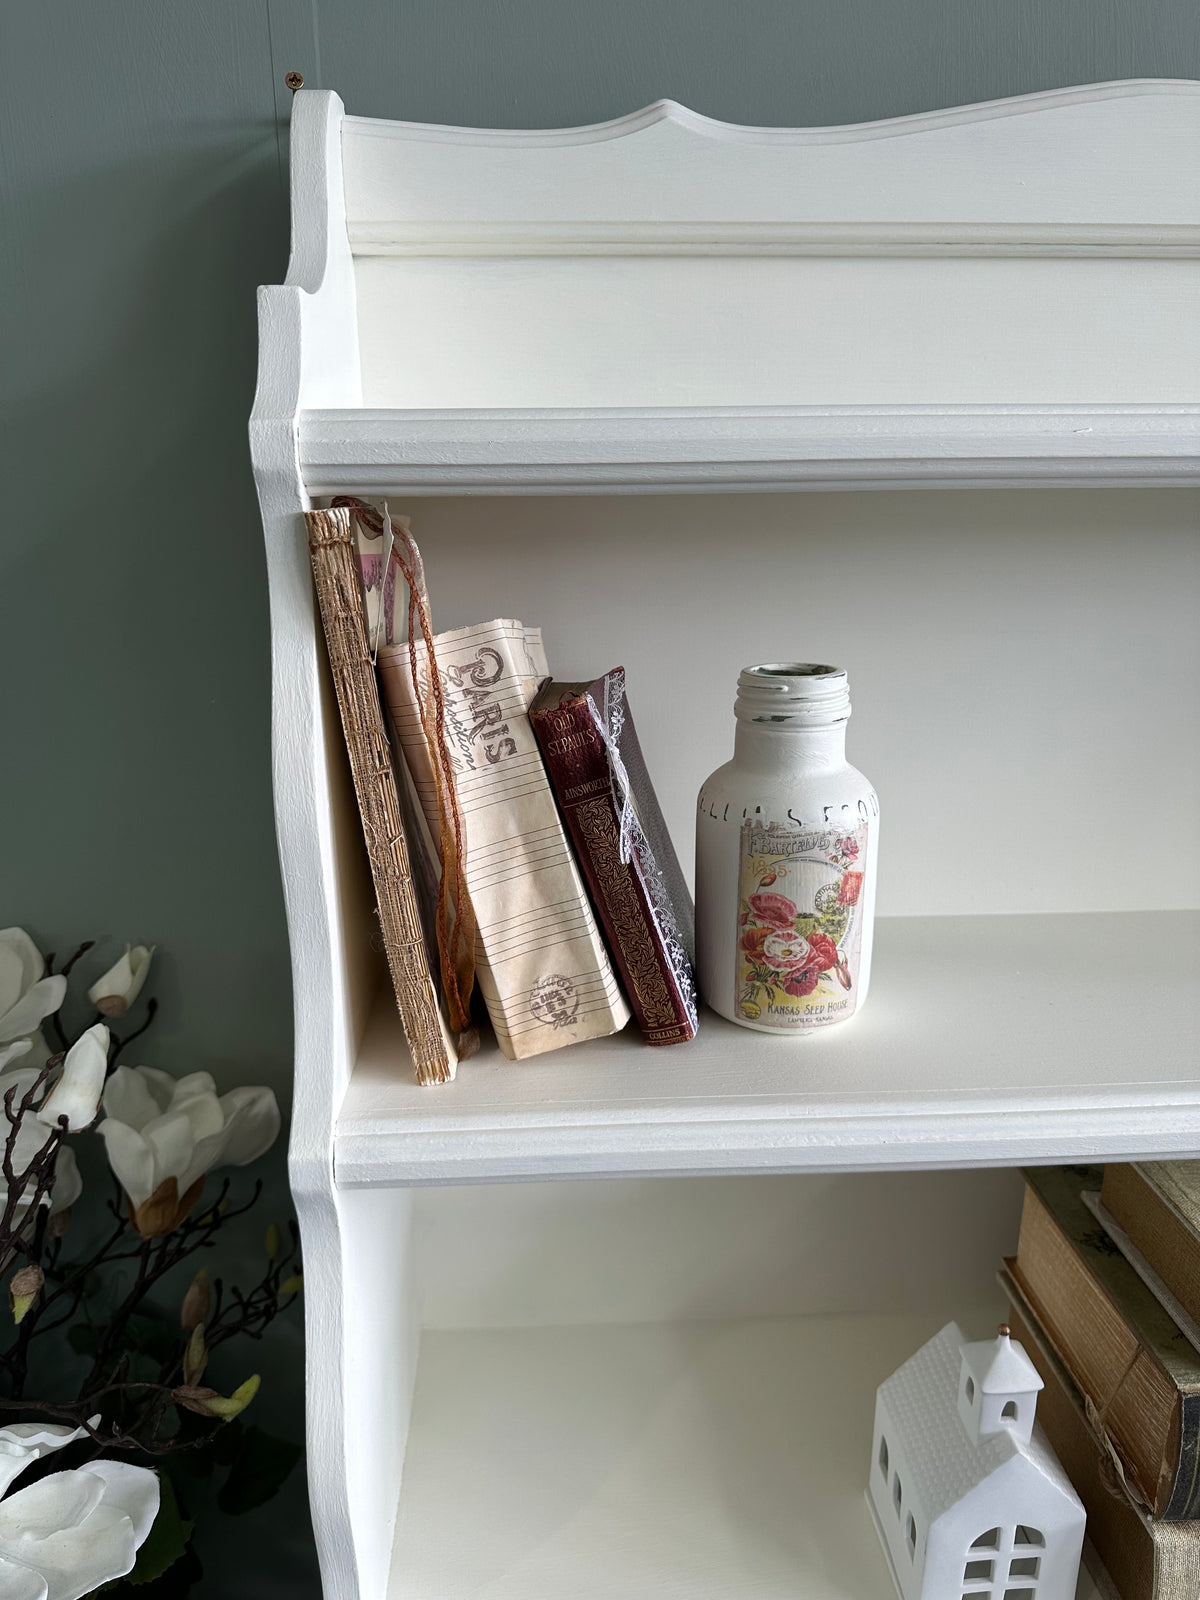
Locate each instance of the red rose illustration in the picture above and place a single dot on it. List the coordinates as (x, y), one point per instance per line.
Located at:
(851, 888)
(822, 954)
(849, 847)
(774, 909)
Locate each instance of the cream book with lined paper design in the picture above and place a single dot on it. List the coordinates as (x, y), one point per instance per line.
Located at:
(542, 965)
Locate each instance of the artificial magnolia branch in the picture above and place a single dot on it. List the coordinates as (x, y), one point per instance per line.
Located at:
(162, 1136)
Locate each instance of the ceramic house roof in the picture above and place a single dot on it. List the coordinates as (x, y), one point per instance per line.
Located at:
(942, 1464)
(999, 1366)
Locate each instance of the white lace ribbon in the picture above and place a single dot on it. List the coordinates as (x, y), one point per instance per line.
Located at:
(609, 726)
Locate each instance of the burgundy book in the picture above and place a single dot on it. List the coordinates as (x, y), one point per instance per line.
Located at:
(599, 778)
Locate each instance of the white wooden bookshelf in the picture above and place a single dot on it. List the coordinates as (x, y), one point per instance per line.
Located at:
(653, 1375)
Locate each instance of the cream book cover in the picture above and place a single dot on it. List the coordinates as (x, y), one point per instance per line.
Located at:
(542, 965)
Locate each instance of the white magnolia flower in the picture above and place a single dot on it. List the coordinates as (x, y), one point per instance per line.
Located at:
(65, 1535)
(164, 1134)
(31, 1138)
(26, 997)
(115, 992)
(31, 1052)
(68, 1185)
(76, 1095)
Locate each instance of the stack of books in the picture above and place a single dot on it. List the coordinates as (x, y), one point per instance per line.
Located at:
(512, 830)
(1105, 1294)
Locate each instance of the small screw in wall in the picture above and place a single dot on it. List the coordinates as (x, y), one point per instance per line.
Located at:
(294, 81)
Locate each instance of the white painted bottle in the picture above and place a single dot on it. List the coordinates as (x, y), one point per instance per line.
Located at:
(787, 840)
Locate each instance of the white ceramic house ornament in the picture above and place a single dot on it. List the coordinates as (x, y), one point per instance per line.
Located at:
(968, 1497)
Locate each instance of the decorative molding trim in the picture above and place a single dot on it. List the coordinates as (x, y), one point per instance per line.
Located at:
(749, 447)
(735, 133)
(772, 239)
(858, 1138)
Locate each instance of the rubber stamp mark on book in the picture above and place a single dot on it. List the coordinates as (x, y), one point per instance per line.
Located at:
(554, 1000)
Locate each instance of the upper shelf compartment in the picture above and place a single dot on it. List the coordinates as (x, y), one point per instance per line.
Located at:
(1004, 292)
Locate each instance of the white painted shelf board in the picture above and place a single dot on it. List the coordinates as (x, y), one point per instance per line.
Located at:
(660, 1461)
(606, 449)
(985, 1041)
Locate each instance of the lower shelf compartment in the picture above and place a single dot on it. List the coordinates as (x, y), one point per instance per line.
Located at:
(720, 1460)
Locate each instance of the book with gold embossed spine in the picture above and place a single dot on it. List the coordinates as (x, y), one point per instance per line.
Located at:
(592, 755)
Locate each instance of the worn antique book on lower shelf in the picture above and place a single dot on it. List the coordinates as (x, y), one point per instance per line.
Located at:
(339, 598)
(543, 968)
(599, 776)
(1157, 1205)
(1145, 1559)
(1139, 1372)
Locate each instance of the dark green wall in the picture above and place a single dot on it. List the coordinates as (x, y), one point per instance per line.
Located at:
(144, 200)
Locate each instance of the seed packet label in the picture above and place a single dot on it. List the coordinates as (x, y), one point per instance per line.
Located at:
(800, 916)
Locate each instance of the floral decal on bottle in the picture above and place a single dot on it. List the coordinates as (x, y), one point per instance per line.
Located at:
(799, 924)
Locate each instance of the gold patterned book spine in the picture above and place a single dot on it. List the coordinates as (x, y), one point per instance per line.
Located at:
(590, 748)
(339, 596)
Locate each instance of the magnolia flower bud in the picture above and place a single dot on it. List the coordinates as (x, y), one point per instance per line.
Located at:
(115, 992)
(197, 1302)
(272, 1241)
(191, 1398)
(208, 1403)
(238, 1400)
(58, 1222)
(76, 1095)
(292, 1285)
(23, 1289)
(195, 1357)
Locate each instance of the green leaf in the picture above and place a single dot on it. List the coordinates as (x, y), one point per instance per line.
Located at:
(166, 1541)
(258, 1472)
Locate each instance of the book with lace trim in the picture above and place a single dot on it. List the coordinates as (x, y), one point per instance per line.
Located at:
(591, 751)
(1138, 1370)
(541, 962)
(339, 598)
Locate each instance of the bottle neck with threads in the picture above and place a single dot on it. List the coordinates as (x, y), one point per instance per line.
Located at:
(791, 714)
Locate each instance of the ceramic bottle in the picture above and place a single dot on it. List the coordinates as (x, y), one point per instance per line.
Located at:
(787, 840)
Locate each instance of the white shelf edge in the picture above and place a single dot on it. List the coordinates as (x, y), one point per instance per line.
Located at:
(673, 449)
(856, 1139)
(548, 238)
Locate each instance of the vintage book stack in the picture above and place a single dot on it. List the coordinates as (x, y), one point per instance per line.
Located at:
(1105, 1287)
(577, 906)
